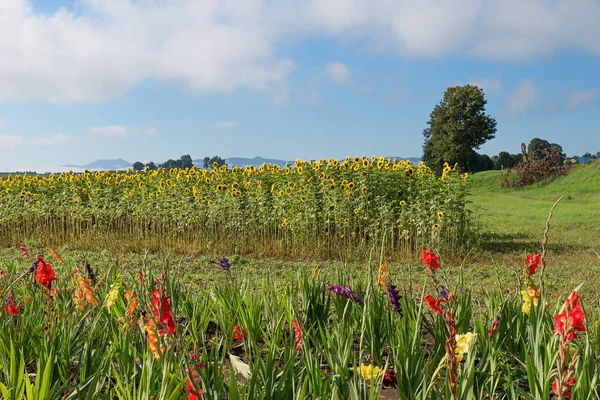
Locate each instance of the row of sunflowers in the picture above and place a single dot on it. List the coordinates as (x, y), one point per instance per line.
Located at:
(316, 207)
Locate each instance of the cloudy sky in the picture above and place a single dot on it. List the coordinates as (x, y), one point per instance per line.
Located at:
(155, 79)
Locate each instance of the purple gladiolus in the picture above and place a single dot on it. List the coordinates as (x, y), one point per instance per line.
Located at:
(345, 292)
(224, 264)
(34, 266)
(444, 293)
(395, 296)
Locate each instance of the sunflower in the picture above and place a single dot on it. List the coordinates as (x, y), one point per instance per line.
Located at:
(440, 215)
(363, 189)
(284, 223)
(366, 163)
(346, 221)
(402, 203)
(210, 203)
(465, 175)
(436, 227)
(409, 172)
(356, 211)
(351, 185)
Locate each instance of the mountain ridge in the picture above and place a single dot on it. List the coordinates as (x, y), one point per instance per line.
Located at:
(121, 164)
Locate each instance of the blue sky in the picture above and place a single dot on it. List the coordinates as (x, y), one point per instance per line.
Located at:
(155, 79)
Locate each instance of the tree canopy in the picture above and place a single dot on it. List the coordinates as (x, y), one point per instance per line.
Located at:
(457, 126)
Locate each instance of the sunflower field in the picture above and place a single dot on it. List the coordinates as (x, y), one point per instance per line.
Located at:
(71, 330)
(323, 208)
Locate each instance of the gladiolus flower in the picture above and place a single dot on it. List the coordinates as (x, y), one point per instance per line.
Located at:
(345, 292)
(434, 303)
(132, 303)
(533, 261)
(571, 320)
(390, 379)
(12, 309)
(87, 289)
(23, 249)
(55, 254)
(162, 311)
(44, 274)
(394, 297)
(566, 388)
(368, 372)
(382, 275)
(463, 345)
(150, 329)
(298, 334)
(431, 260)
(444, 293)
(224, 264)
(238, 332)
(112, 295)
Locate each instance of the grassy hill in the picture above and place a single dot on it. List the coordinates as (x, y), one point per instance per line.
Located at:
(514, 219)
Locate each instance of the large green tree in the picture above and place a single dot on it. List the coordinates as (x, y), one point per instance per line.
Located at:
(457, 126)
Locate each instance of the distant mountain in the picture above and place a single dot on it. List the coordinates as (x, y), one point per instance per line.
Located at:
(258, 161)
(104, 165)
(413, 160)
(120, 164)
(242, 162)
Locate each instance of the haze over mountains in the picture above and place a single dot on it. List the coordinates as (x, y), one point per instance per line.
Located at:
(120, 164)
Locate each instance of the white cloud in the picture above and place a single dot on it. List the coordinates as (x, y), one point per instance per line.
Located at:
(489, 85)
(110, 131)
(224, 125)
(521, 99)
(11, 141)
(109, 46)
(580, 98)
(338, 72)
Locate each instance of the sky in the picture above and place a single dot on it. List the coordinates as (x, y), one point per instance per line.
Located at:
(144, 80)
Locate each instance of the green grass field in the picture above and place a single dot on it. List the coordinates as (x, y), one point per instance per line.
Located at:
(513, 220)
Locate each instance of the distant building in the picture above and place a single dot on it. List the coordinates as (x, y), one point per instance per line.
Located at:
(584, 160)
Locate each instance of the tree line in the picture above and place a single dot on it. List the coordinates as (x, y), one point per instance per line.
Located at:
(459, 125)
(184, 162)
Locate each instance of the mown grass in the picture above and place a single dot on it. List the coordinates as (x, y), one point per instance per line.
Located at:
(512, 220)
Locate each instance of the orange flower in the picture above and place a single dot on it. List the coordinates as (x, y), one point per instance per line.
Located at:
(132, 303)
(150, 329)
(55, 254)
(382, 275)
(87, 289)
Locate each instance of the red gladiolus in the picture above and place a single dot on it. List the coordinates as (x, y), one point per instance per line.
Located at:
(434, 304)
(44, 274)
(298, 334)
(566, 389)
(12, 309)
(238, 332)
(190, 390)
(162, 311)
(141, 277)
(390, 379)
(23, 249)
(571, 319)
(431, 260)
(533, 261)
